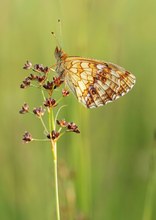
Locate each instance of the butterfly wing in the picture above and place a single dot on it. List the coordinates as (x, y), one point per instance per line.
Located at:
(96, 83)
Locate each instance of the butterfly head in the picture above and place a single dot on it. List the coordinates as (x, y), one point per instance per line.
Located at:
(59, 54)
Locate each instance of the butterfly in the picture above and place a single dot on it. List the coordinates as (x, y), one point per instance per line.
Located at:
(93, 82)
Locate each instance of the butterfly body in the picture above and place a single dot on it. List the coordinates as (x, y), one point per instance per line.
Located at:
(94, 83)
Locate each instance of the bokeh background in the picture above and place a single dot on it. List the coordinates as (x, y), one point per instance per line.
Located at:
(108, 171)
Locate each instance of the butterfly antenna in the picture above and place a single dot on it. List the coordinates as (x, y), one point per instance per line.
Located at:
(60, 31)
(57, 41)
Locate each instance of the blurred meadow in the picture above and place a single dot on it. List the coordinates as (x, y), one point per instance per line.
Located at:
(108, 172)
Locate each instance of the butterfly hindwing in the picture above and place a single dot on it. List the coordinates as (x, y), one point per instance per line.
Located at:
(93, 82)
(96, 83)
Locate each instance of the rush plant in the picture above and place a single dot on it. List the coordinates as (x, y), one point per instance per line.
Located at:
(46, 83)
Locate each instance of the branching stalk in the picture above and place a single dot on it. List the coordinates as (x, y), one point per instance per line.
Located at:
(56, 128)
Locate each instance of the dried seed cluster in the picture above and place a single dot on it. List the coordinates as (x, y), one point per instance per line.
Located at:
(40, 78)
(71, 126)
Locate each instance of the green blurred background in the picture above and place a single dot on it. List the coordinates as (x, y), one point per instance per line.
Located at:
(108, 171)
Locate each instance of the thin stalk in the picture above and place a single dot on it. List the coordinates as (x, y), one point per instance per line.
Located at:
(49, 120)
(54, 153)
(56, 116)
(43, 124)
(61, 134)
(52, 119)
(35, 139)
(59, 100)
(43, 94)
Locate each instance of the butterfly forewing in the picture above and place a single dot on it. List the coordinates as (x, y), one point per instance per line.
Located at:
(95, 83)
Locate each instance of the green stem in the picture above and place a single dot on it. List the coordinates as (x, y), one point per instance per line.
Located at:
(59, 100)
(61, 134)
(56, 116)
(43, 94)
(43, 124)
(49, 120)
(52, 119)
(54, 152)
(35, 139)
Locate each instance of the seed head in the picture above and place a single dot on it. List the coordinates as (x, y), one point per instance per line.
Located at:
(25, 83)
(27, 65)
(24, 109)
(38, 68)
(32, 77)
(48, 85)
(41, 79)
(54, 135)
(62, 123)
(50, 102)
(39, 111)
(65, 92)
(46, 69)
(27, 137)
(73, 127)
(57, 82)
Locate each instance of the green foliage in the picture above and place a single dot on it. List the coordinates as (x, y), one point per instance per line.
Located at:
(108, 171)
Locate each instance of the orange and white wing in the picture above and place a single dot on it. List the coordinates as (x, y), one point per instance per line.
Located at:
(96, 83)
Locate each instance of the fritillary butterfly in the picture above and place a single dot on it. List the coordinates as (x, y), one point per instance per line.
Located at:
(94, 83)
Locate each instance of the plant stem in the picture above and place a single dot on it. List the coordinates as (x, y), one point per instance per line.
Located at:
(35, 139)
(52, 119)
(43, 124)
(54, 154)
